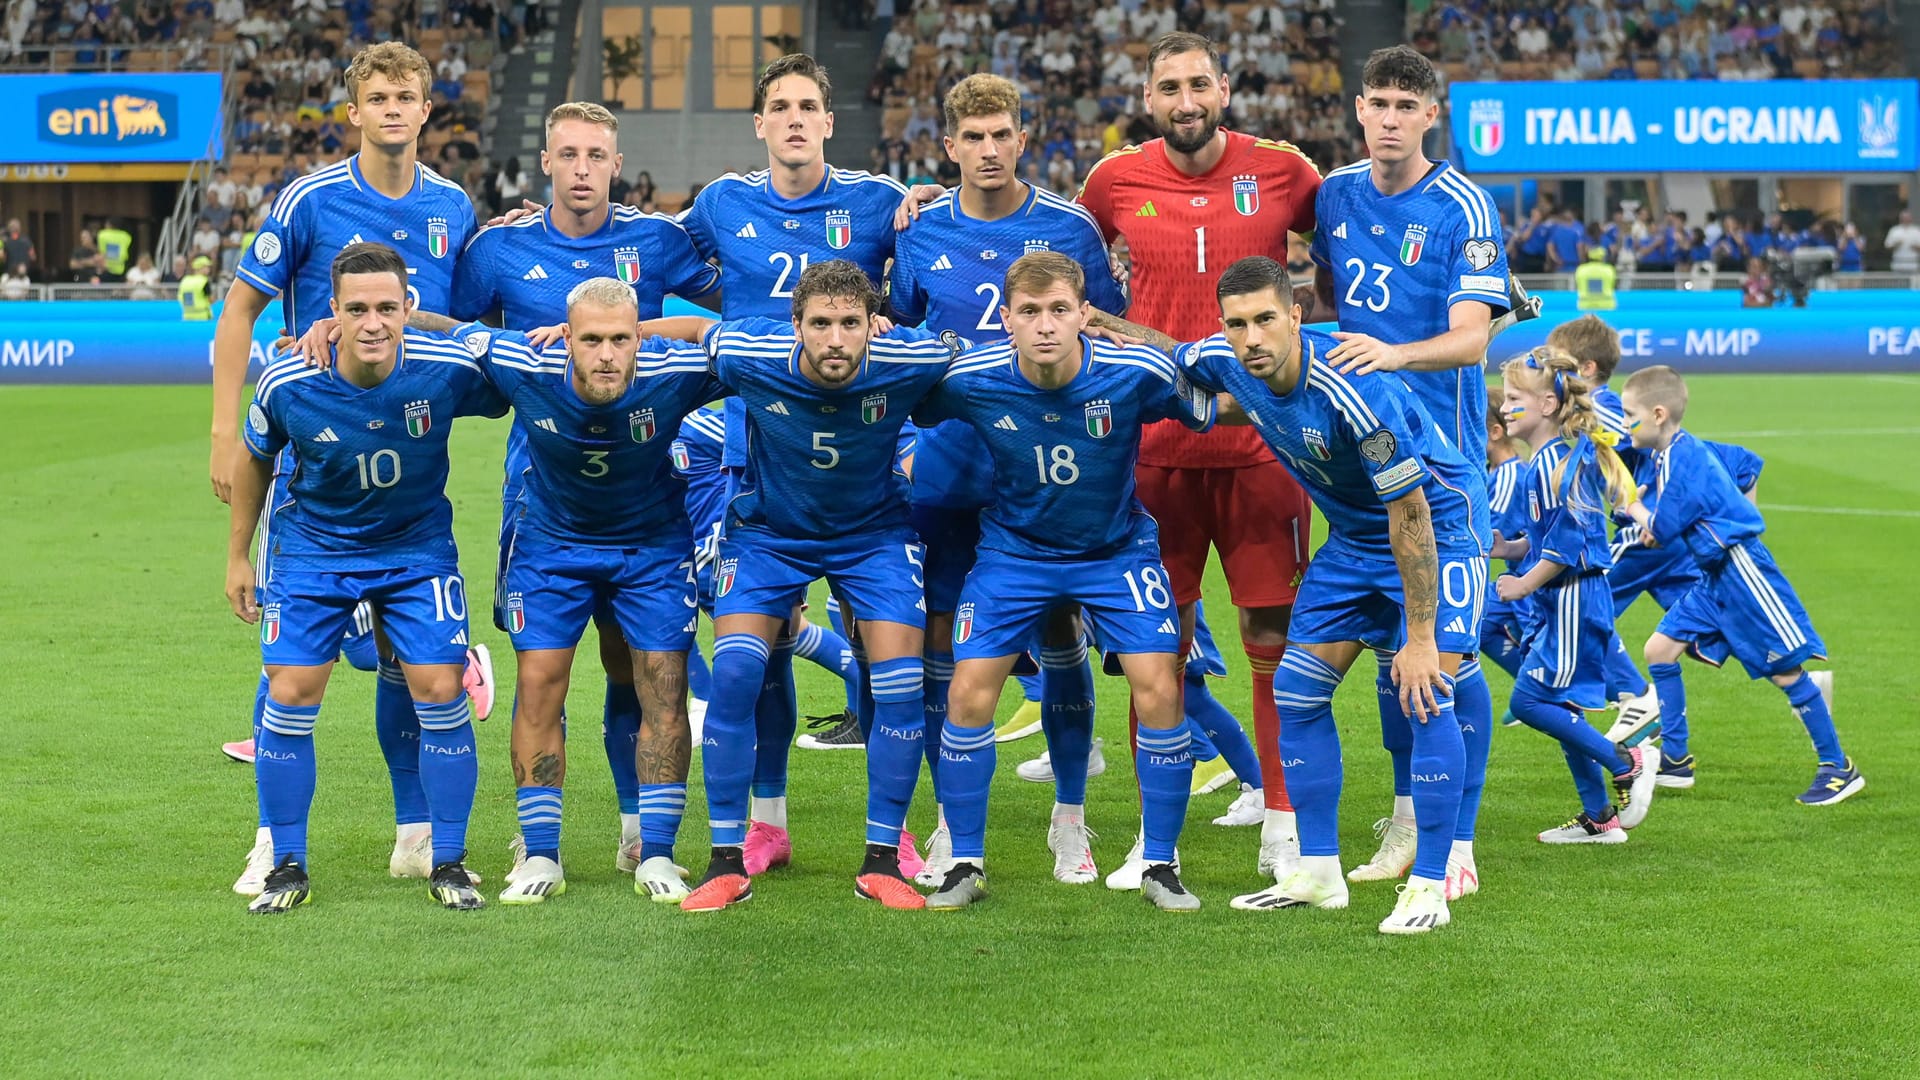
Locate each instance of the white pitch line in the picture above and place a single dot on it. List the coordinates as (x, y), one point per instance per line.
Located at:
(1848, 511)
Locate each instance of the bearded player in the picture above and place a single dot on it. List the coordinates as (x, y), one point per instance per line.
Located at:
(1188, 205)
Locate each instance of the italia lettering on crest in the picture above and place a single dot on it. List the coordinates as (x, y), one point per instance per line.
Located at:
(437, 237)
(1487, 126)
(270, 624)
(419, 416)
(872, 408)
(963, 624)
(1246, 195)
(1316, 444)
(641, 426)
(516, 612)
(723, 576)
(839, 229)
(1412, 244)
(626, 264)
(681, 459)
(1099, 418)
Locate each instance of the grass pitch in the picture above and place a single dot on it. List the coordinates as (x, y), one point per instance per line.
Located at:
(1737, 934)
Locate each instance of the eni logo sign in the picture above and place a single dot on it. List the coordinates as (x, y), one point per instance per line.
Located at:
(107, 117)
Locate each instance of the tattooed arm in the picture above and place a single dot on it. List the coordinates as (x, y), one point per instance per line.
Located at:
(1416, 667)
(1101, 320)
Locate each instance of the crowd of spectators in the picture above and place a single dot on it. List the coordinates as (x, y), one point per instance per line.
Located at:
(1571, 40)
(1080, 65)
(1555, 241)
(290, 97)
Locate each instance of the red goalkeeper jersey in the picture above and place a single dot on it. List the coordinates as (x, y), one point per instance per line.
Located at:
(1181, 232)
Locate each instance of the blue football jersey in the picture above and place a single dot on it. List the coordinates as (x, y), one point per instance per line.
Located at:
(368, 488)
(318, 214)
(1564, 517)
(1400, 263)
(696, 460)
(601, 475)
(1698, 505)
(948, 271)
(1063, 459)
(1503, 482)
(820, 462)
(1355, 442)
(764, 242)
(527, 268)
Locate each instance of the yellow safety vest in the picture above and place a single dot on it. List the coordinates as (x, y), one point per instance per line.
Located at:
(195, 305)
(117, 246)
(1593, 286)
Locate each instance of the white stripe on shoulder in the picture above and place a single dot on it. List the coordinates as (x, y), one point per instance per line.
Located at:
(1064, 205)
(1473, 203)
(1346, 398)
(861, 176)
(432, 177)
(1361, 166)
(293, 194)
(280, 375)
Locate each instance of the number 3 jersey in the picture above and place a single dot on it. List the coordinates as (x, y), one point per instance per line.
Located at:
(1063, 459)
(820, 461)
(368, 490)
(1400, 262)
(1356, 443)
(602, 475)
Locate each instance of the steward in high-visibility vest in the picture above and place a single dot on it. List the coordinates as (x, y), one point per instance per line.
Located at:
(1593, 282)
(196, 292)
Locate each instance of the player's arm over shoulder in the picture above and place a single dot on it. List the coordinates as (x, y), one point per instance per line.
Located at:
(1096, 191)
(1302, 174)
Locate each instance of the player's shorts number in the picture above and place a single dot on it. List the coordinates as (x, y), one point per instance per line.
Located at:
(1457, 582)
(1149, 589)
(990, 316)
(787, 264)
(381, 469)
(449, 598)
(1359, 271)
(822, 445)
(1056, 465)
(596, 465)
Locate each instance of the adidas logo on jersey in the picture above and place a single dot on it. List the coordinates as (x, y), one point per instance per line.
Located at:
(746, 232)
(460, 638)
(1340, 231)
(538, 273)
(1005, 423)
(941, 263)
(546, 423)
(779, 408)
(326, 435)
(1170, 627)
(1456, 626)
(1146, 210)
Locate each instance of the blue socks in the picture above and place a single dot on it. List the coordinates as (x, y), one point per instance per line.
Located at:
(661, 808)
(259, 710)
(1671, 689)
(540, 820)
(1439, 763)
(398, 730)
(939, 666)
(362, 651)
(1590, 757)
(775, 719)
(1205, 712)
(831, 651)
(1066, 716)
(894, 745)
(1812, 710)
(727, 742)
(1396, 732)
(967, 759)
(283, 768)
(620, 732)
(1473, 708)
(1163, 761)
(449, 773)
(1303, 688)
(699, 676)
